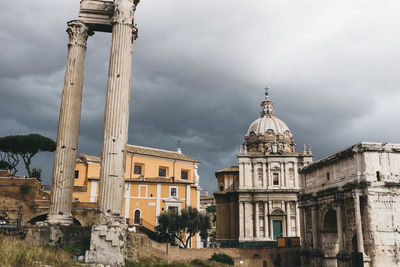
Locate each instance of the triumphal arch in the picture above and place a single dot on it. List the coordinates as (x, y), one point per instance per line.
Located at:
(108, 232)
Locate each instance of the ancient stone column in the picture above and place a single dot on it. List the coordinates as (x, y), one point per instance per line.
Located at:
(314, 224)
(108, 232)
(68, 126)
(357, 216)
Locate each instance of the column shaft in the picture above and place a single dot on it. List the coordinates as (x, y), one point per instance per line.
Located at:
(116, 121)
(302, 228)
(264, 175)
(257, 219)
(266, 223)
(269, 176)
(241, 175)
(288, 219)
(357, 216)
(241, 220)
(297, 219)
(314, 225)
(68, 126)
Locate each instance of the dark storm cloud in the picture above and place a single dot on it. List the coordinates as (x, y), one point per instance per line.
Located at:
(200, 68)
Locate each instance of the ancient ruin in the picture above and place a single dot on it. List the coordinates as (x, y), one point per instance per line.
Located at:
(349, 206)
(108, 232)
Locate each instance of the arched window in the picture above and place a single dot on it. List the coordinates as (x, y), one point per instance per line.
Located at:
(136, 219)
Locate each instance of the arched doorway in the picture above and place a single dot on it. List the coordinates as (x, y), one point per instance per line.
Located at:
(329, 238)
(136, 217)
(278, 223)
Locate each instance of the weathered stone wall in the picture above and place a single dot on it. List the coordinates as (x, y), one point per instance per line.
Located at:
(244, 257)
(138, 246)
(25, 199)
(57, 235)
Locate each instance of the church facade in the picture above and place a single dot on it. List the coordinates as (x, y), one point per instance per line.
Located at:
(257, 200)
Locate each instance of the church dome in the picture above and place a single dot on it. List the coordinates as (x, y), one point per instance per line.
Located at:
(268, 134)
(263, 124)
(268, 121)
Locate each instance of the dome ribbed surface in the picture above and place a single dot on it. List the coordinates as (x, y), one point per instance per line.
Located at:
(263, 124)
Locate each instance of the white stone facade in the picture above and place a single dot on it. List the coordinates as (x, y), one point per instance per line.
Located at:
(350, 207)
(266, 187)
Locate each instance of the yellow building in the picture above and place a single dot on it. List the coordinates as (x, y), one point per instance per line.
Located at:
(156, 180)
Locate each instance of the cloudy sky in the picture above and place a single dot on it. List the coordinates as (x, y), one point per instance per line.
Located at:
(199, 70)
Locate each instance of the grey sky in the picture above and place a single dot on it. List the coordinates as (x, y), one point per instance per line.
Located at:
(200, 68)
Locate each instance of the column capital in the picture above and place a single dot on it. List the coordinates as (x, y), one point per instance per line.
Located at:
(78, 33)
(124, 11)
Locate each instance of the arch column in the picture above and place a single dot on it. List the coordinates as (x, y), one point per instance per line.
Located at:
(68, 126)
(314, 221)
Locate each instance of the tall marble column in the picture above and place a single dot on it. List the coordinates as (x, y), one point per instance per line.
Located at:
(108, 231)
(68, 126)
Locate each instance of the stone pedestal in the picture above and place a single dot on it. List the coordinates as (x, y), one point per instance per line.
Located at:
(68, 126)
(107, 243)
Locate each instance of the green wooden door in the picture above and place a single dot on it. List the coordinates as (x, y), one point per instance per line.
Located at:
(277, 225)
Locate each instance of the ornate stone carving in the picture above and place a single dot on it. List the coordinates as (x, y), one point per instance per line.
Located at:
(123, 11)
(78, 33)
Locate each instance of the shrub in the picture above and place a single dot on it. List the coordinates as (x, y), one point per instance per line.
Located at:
(223, 258)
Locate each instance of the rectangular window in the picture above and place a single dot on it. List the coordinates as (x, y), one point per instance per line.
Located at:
(137, 169)
(173, 192)
(328, 176)
(184, 175)
(275, 179)
(76, 174)
(162, 172)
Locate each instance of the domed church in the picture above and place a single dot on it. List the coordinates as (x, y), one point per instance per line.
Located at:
(257, 200)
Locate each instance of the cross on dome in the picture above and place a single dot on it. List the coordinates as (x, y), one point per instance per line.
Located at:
(266, 92)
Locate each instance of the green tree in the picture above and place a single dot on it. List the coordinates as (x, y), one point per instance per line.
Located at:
(212, 208)
(4, 165)
(37, 173)
(25, 147)
(183, 226)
